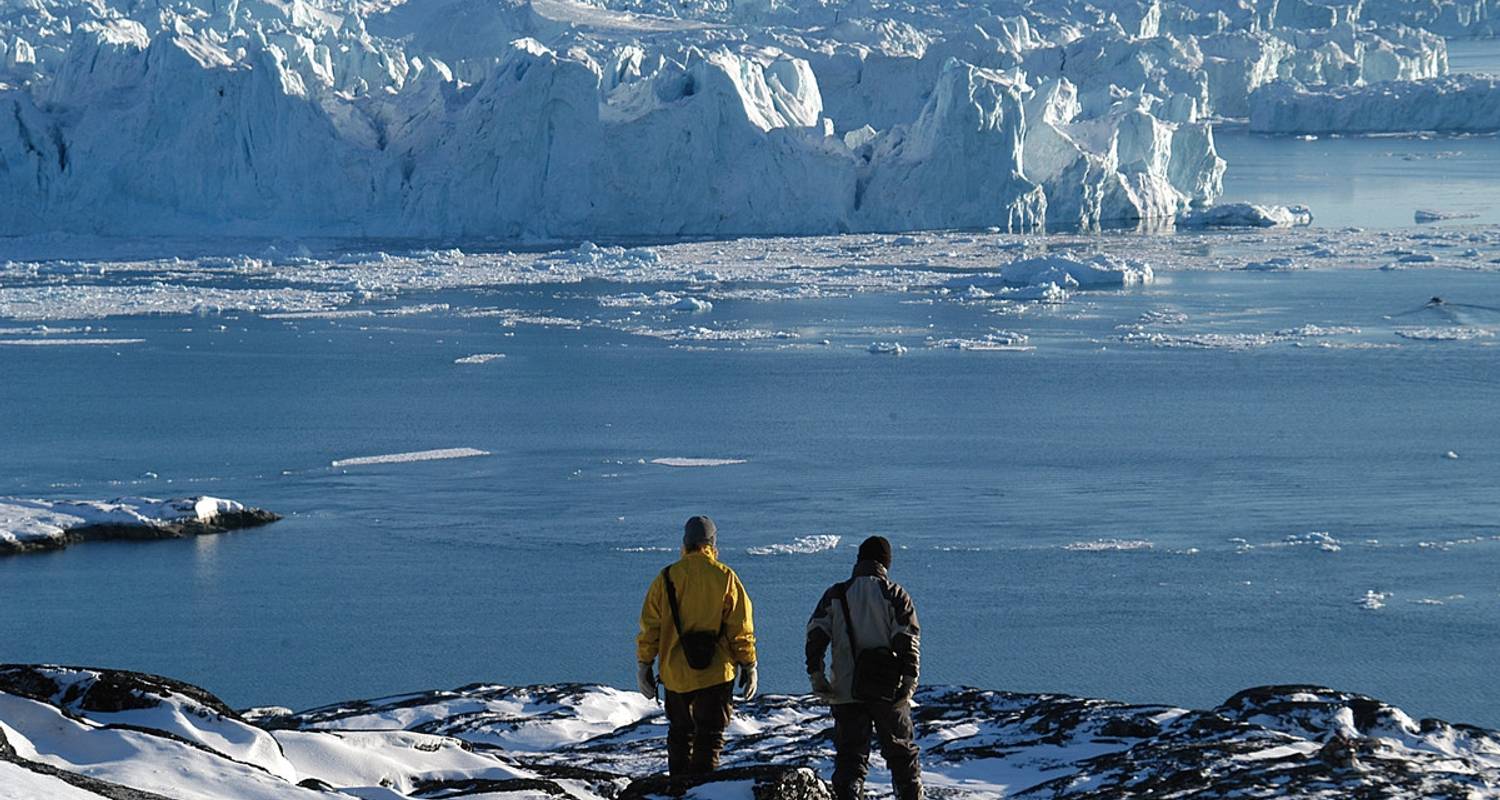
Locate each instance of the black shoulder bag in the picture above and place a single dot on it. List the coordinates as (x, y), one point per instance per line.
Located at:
(877, 670)
(698, 646)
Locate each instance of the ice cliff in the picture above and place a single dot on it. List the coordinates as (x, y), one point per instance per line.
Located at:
(534, 119)
(83, 734)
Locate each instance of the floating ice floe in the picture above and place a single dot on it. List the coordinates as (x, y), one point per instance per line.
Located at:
(1319, 539)
(999, 341)
(479, 358)
(887, 348)
(1279, 264)
(1143, 334)
(67, 342)
(677, 461)
(1451, 455)
(1373, 600)
(1109, 545)
(1427, 215)
(27, 525)
(1456, 333)
(410, 457)
(1246, 215)
(802, 545)
(693, 305)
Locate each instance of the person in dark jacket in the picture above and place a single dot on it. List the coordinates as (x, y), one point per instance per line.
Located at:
(881, 613)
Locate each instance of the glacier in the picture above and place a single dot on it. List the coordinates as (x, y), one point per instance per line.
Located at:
(560, 119)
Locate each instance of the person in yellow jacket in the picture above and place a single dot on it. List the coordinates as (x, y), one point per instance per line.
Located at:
(697, 670)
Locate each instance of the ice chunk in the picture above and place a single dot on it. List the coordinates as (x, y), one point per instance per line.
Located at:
(677, 461)
(1246, 215)
(407, 458)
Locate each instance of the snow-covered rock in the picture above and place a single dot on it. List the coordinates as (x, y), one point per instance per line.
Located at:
(32, 525)
(1456, 104)
(109, 733)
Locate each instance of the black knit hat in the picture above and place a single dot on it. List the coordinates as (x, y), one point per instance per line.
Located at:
(876, 548)
(699, 531)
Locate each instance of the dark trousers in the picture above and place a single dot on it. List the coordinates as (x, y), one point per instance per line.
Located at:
(695, 728)
(891, 724)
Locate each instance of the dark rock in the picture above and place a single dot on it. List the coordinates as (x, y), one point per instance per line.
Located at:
(443, 789)
(770, 782)
(100, 690)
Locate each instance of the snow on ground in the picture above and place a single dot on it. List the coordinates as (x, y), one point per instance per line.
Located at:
(410, 457)
(588, 742)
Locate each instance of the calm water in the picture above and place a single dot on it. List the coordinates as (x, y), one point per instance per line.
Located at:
(1377, 181)
(524, 566)
(1366, 182)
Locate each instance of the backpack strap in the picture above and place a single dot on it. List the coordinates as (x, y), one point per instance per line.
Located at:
(666, 575)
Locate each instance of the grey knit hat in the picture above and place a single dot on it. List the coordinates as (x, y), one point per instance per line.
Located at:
(699, 531)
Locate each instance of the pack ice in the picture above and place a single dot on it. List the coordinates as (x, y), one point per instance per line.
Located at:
(533, 119)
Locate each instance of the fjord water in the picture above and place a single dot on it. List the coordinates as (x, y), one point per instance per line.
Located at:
(1373, 181)
(995, 473)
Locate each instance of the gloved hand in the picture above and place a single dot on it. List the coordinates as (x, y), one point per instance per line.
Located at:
(820, 685)
(907, 687)
(645, 680)
(749, 683)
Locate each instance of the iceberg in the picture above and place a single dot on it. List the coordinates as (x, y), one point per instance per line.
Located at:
(1246, 215)
(1454, 104)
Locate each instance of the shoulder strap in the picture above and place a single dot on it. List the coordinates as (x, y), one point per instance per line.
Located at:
(666, 575)
(843, 596)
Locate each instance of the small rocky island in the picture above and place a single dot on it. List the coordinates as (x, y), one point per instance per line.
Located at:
(31, 526)
(77, 733)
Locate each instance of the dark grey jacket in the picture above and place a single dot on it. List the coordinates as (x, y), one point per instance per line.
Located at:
(882, 613)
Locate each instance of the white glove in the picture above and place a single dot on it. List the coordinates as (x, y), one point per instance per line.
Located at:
(645, 680)
(749, 683)
(820, 685)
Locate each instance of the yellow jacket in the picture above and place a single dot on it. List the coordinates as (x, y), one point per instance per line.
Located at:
(709, 595)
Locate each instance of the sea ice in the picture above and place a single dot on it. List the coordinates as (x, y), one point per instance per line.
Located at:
(479, 358)
(405, 458)
(677, 461)
(1246, 215)
(1373, 600)
(802, 545)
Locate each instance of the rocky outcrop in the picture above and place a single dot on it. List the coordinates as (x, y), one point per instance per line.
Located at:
(33, 526)
(591, 742)
(767, 782)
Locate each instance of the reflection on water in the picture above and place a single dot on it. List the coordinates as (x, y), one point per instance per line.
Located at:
(1366, 182)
